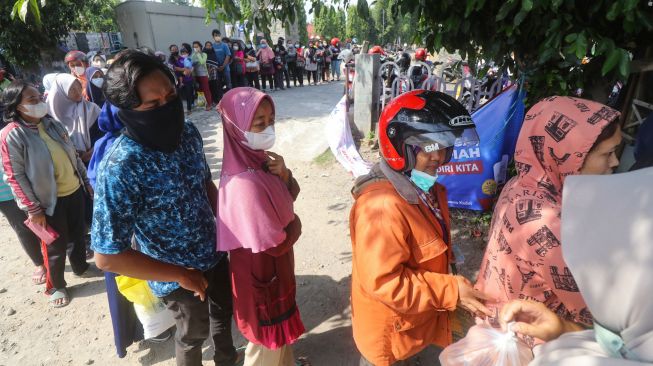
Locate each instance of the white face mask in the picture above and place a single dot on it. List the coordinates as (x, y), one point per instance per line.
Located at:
(260, 140)
(79, 70)
(296, 46)
(97, 82)
(35, 110)
(236, 48)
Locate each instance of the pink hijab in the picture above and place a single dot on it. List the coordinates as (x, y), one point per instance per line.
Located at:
(254, 206)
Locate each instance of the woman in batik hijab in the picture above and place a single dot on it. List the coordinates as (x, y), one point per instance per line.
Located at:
(561, 136)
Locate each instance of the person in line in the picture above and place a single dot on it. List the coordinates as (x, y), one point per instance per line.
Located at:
(238, 64)
(319, 60)
(299, 66)
(609, 256)
(223, 55)
(326, 72)
(278, 72)
(265, 57)
(252, 66)
(257, 182)
(198, 59)
(154, 185)
(561, 137)
(212, 68)
(48, 181)
(95, 78)
(77, 64)
(281, 51)
(176, 65)
(403, 296)
(311, 63)
(292, 62)
(99, 60)
(187, 83)
(67, 106)
(335, 59)
(16, 218)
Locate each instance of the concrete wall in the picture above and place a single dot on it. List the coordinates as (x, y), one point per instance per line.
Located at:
(367, 93)
(157, 25)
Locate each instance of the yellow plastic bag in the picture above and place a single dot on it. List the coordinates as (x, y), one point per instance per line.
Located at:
(201, 99)
(137, 291)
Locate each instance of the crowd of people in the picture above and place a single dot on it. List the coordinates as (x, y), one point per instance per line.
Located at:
(113, 147)
(214, 67)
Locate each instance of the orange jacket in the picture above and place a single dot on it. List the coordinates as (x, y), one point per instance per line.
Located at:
(402, 295)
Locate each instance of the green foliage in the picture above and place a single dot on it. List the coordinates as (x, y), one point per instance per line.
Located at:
(301, 21)
(97, 16)
(330, 22)
(546, 40)
(22, 40)
(358, 26)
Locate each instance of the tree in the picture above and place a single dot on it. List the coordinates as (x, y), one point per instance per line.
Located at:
(301, 21)
(330, 22)
(23, 40)
(559, 45)
(357, 26)
(97, 16)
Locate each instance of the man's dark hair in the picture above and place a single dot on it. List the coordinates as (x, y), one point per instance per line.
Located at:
(11, 97)
(172, 45)
(215, 32)
(128, 68)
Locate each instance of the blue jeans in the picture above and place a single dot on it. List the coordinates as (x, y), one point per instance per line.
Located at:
(335, 68)
(225, 77)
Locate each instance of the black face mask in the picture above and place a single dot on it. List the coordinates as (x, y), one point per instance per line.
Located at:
(159, 128)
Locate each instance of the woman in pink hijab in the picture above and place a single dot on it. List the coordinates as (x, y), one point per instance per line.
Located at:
(258, 226)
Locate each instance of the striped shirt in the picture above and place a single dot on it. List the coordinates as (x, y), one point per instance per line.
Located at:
(5, 192)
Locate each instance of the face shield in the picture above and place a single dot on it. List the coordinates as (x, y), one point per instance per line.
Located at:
(433, 138)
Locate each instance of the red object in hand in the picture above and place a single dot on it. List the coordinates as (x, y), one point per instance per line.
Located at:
(47, 234)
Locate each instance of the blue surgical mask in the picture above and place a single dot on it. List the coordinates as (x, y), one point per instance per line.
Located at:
(263, 45)
(422, 180)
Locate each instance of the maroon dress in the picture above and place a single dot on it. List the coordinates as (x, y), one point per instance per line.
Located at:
(264, 293)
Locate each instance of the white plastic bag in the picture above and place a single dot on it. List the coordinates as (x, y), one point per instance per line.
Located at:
(155, 320)
(487, 346)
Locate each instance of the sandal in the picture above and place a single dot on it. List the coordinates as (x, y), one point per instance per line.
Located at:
(61, 293)
(40, 276)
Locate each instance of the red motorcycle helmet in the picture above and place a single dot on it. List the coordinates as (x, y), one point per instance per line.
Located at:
(420, 54)
(75, 56)
(423, 120)
(335, 41)
(376, 50)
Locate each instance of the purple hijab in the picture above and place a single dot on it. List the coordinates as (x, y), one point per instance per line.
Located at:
(254, 206)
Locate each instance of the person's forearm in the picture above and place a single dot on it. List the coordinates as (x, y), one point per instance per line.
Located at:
(292, 236)
(138, 265)
(569, 327)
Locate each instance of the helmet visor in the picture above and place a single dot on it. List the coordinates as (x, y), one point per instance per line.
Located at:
(433, 141)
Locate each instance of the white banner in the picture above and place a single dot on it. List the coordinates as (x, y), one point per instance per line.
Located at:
(342, 143)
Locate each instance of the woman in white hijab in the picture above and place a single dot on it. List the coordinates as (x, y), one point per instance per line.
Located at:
(607, 227)
(67, 105)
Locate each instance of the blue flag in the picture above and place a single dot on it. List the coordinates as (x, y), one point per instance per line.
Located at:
(474, 172)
